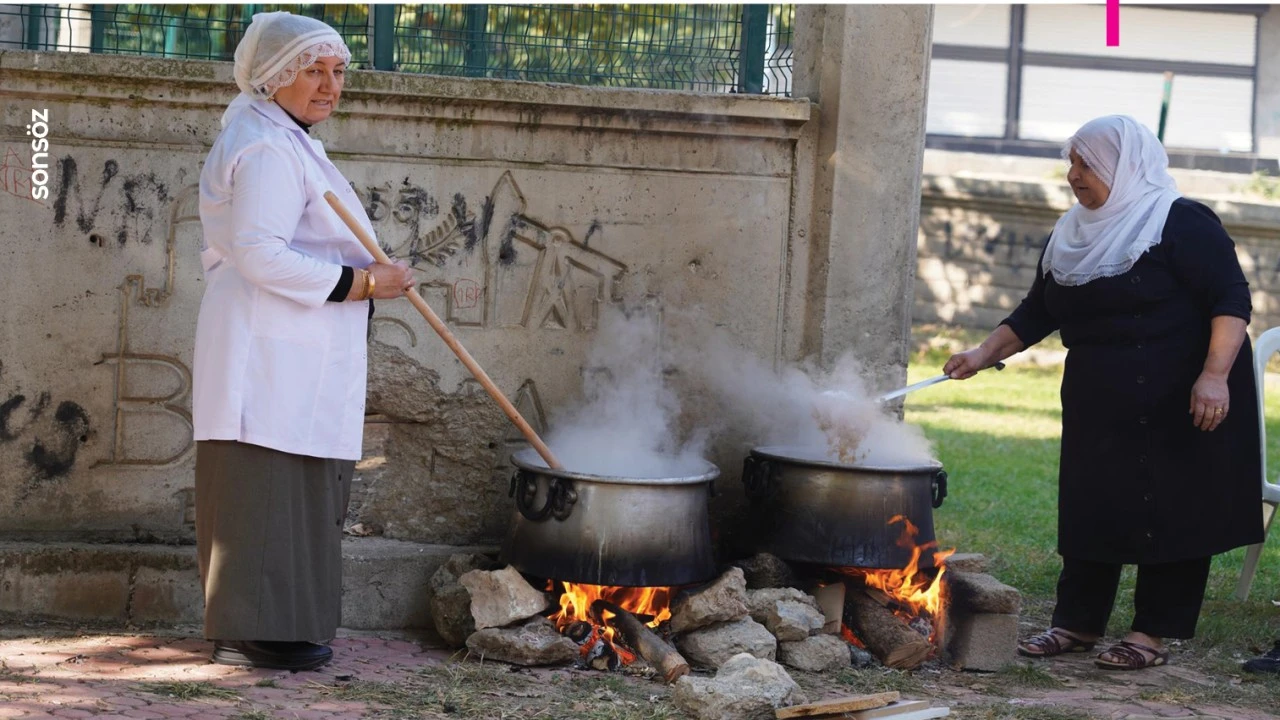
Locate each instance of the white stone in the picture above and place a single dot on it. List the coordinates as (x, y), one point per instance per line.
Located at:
(745, 688)
(722, 601)
(819, 653)
(501, 597)
(713, 646)
(788, 613)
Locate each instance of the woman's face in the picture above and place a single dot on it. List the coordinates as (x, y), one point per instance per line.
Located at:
(1090, 190)
(314, 95)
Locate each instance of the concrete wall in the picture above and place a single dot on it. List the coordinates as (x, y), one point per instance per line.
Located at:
(590, 197)
(980, 239)
(529, 208)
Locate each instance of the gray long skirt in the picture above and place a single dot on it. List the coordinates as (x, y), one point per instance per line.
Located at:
(269, 536)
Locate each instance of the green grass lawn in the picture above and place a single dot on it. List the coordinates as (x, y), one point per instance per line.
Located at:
(998, 436)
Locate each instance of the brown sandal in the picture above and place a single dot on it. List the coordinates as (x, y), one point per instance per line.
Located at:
(1127, 655)
(1053, 641)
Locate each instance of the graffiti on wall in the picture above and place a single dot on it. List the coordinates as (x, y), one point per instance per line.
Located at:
(15, 176)
(495, 266)
(45, 439)
(111, 205)
(127, 364)
(486, 263)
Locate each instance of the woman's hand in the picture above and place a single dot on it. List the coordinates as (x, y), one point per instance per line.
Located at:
(964, 365)
(391, 280)
(1210, 401)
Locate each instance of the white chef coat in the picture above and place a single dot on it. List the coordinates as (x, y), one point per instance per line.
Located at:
(275, 364)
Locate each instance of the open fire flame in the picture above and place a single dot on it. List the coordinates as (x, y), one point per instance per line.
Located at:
(652, 605)
(913, 594)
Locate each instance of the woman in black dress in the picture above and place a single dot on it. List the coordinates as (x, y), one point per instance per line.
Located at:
(1160, 453)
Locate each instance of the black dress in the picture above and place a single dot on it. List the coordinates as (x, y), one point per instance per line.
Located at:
(1138, 482)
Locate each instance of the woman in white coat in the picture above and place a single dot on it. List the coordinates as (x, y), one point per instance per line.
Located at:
(280, 355)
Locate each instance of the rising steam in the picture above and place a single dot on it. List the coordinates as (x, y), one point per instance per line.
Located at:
(632, 422)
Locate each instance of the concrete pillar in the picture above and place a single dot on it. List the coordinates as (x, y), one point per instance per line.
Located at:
(1267, 88)
(867, 67)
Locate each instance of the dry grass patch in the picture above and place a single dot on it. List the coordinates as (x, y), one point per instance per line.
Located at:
(491, 690)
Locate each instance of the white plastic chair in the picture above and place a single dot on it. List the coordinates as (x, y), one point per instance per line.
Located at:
(1268, 344)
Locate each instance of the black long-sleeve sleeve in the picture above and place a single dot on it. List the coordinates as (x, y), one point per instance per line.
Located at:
(343, 288)
(1203, 256)
(1031, 320)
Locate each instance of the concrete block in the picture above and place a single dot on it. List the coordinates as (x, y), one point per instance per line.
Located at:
(981, 593)
(984, 642)
(384, 582)
(76, 582)
(167, 597)
(79, 596)
(968, 562)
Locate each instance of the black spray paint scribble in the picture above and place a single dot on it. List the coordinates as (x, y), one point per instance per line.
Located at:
(55, 459)
(507, 246)
(134, 201)
(8, 407)
(410, 206)
(594, 228)
(48, 450)
(486, 217)
(466, 222)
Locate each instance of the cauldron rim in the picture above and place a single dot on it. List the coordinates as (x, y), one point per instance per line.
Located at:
(815, 456)
(529, 460)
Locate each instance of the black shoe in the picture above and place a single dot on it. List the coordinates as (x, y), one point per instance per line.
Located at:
(1269, 663)
(271, 654)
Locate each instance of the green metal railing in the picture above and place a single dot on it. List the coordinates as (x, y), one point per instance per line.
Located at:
(713, 48)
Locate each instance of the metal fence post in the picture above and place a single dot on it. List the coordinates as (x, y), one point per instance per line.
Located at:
(35, 23)
(383, 42)
(1164, 104)
(755, 21)
(97, 28)
(476, 53)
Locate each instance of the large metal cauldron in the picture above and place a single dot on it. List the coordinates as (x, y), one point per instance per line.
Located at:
(599, 530)
(812, 510)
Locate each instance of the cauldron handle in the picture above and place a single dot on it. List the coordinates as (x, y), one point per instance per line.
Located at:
(758, 478)
(560, 497)
(524, 488)
(939, 487)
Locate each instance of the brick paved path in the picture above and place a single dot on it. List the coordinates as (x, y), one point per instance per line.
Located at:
(122, 676)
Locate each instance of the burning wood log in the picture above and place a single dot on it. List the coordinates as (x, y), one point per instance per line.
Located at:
(890, 639)
(644, 641)
(594, 651)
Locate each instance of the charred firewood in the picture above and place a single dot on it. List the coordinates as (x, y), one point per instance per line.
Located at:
(887, 636)
(642, 640)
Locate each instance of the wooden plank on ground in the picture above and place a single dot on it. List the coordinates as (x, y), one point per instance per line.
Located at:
(838, 705)
(924, 713)
(892, 711)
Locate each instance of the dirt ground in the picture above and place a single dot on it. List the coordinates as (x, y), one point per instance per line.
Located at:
(50, 672)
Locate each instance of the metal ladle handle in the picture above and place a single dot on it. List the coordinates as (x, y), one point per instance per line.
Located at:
(924, 384)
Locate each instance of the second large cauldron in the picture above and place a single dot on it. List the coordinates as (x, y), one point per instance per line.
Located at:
(606, 530)
(807, 508)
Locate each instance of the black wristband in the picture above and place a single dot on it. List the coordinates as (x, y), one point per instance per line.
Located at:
(343, 287)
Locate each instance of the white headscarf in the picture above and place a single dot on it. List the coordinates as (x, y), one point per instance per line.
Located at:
(275, 48)
(1089, 244)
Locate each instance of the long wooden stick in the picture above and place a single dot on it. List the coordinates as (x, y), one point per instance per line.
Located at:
(445, 334)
